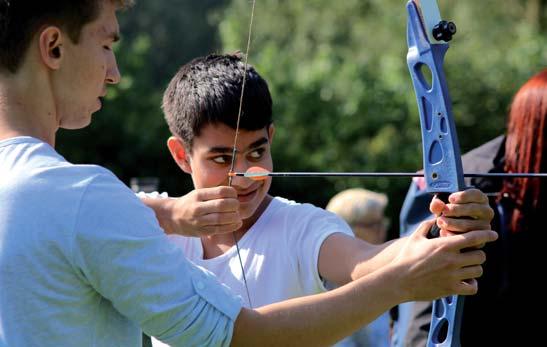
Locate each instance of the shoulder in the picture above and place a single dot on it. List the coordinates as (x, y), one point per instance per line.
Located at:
(306, 216)
(291, 207)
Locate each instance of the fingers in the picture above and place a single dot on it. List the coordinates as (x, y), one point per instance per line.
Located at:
(466, 210)
(467, 287)
(207, 230)
(469, 210)
(208, 211)
(470, 272)
(468, 196)
(471, 239)
(455, 225)
(219, 205)
(471, 258)
(423, 228)
(218, 216)
(220, 192)
(437, 206)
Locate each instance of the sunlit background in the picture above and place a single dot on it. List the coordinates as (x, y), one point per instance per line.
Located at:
(343, 98)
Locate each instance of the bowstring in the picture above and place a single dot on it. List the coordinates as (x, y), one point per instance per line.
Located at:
(234, 150)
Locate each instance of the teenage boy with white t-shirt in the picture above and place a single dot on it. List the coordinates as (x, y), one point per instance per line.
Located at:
(287, 249)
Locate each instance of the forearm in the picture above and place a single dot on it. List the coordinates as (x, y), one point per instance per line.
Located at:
(377, 257)
(320, 319)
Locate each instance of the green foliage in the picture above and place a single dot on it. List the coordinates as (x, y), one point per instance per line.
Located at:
(337, 70)
(342, 93)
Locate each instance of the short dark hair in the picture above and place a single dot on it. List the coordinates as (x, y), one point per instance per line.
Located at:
(21, 19)
(207, 90)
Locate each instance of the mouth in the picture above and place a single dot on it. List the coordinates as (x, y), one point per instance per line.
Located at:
(247, 196)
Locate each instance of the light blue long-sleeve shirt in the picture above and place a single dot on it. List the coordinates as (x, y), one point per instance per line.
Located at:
(84, 263)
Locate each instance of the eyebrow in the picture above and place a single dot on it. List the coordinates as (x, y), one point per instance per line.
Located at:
(255, 144)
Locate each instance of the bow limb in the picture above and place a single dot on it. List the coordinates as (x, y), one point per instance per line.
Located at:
(441, 152)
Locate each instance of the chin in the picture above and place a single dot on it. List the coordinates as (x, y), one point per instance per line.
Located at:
(74, 124)
(248, 212)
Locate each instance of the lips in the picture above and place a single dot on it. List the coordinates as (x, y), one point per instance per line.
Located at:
(247, 195)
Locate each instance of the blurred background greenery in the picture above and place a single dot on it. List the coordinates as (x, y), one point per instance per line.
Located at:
(343, 98)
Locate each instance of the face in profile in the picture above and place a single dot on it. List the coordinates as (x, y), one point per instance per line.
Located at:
(86, 68)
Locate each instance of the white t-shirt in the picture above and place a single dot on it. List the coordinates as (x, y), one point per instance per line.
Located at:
(84, 263)
(279, 253)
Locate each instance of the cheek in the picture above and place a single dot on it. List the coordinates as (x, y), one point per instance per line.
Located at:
(206, 177)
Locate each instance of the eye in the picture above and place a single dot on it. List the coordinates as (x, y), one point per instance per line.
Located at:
(257, 153)
(222, 159)
(108, 48)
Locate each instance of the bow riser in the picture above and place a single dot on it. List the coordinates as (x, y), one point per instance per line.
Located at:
(442, 164)
(441, 150)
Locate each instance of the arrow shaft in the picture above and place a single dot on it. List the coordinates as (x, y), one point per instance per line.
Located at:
(381, 174)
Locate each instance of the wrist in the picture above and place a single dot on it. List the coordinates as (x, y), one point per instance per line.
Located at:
(164, 209)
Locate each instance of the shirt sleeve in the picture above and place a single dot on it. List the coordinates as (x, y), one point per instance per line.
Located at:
(120, 250)
(311, 228)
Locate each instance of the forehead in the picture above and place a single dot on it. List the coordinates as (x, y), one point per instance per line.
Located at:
(216, 135)
(106, 24)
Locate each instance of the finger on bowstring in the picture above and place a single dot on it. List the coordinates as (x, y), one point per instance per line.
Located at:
(219, 219)
(220, 192)
(220, 205)
(220, 229)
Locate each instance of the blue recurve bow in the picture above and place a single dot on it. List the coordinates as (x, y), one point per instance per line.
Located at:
(427, 35)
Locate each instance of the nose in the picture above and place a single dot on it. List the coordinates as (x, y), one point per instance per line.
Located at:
(241, 165)
(113, 75)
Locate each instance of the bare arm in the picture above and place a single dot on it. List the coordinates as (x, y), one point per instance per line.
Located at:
(425, 269)
(318, 320)
(343, 258)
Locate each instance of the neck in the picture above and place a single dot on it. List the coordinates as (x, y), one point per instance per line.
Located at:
(26, 108)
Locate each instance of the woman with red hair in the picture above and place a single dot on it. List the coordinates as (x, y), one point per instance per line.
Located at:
(525, 151)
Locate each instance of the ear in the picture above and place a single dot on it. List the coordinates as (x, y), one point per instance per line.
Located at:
(179, 153)
(271, 132)
(50, 44)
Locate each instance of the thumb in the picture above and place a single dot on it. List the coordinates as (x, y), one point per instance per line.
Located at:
(424, 228)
